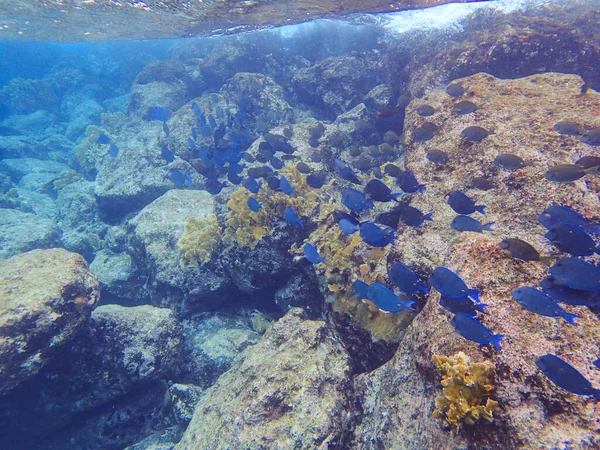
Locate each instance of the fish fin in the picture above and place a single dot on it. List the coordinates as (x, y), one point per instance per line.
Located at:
(480, 208)
(481, 307)
(593, 170)
(428, 216)
(474, 295)
(423, 288)
(487, 226)
(592, 228)
(596, 393)
(495, 340)
(547, 260)
(395, 197)
(421, 188)
(570, 318)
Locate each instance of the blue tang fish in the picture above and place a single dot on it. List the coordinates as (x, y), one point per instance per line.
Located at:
(159, 113)
(566, 376)
(177, 177)
(345, 171)
(473, 330)
(466, 223)
(380, 192)
(451, 285)
(541, 303)
(463, 204)
(406, 279)
(103, 139)
(252, 185)
(385, 299)
(285, 186)
(312, 254)
(414, 217)
(113, 150)
(292, 218)
(576, 274)
(167, 154)
(349, 226)
(573, 239)
(254, 204)
(568, 295)
(355, 200)
(557, 214)
(465, 305)
(361, 288)
(407, 181)
(214, 186)
(375, 235)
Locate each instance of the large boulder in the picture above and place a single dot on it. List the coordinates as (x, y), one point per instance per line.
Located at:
(291, 388)
(21, 231)
(46, 297)
(155, 233)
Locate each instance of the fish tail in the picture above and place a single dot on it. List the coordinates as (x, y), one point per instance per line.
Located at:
(480, 208)
(595, 169)
(474, 295)
(487, 226)
(495, 340)
(481, 307)
(421, 188)
(395, 197)
(592, 228)
(422, 287)
(570, 318)
(596, 393)
(408, 304)
(428, 216)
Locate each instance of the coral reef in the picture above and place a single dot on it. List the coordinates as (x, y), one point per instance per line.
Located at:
(466, 386)
(201, 239)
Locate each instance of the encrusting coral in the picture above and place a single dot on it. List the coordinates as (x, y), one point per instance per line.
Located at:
(466, 386)
(201, 239)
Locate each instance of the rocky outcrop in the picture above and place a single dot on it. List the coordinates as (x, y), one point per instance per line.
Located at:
(291, 390)
(21, 231)
(46, 297)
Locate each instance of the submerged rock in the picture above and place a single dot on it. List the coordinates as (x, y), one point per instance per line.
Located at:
(21, 232)
(291, 388)
(46, 297)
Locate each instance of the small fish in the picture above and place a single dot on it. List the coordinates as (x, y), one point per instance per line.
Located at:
(166, 129)
(464, 107)
(379, 191)
(285, 186)
(234, 178)
(451, 285)
(407, 181)
(424, 133)
(273, 182)
(541, 303)
(288, 132)
(167, 154)
(198, 112)
(191, 144)
(361, 288)
(437, 156)
(455, 90)
(509, 161)
(463, 204)
(572, 239)
(355, 200)
(214, 186)
(557, 214)
(346, 172)
(348, 226)
(568, 295)
(474, 134)
(276, 162)
(303, 168)
(386, 300)
(591, 137)
(194, 133)
(103, 139)
(406, 279)
(576, 274)
(317, 130)
(473, 330)
(254, 204)
(425, 110)
(393, 170)
(177, 177)
(565, 376)
(113, 150)
(385, 112)
(159, 113)
(568, 128)
(292, 218)
(373, 234)
(312, 254)
(414, 217)
(252, 185)
(466, 223)
(482, 183)
(588, 161)
(519, 249)
(465, 305)
(315, 181)
(569, 172)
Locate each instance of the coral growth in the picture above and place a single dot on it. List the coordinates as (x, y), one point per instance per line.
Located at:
(201, 239)
(466, 386)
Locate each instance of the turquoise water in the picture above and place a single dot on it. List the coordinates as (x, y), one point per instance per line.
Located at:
(282, 236)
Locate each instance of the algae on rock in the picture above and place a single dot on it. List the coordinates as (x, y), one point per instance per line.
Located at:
(466, 386)
(201, 239)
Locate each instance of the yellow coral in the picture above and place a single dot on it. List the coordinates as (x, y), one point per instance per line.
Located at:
(466, 388)
(201, 239)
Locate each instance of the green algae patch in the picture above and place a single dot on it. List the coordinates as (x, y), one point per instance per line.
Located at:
(201, 239)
